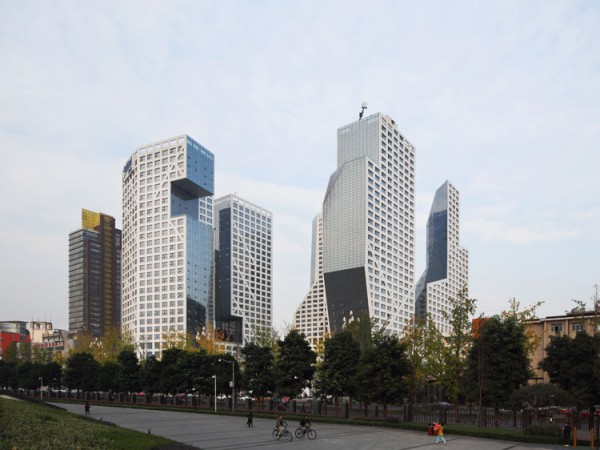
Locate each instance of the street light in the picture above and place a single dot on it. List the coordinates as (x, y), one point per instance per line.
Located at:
(215, 378)
(41, 392)
(232, 382)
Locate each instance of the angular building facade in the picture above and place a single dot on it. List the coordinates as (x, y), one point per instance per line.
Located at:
(95, 275)
(243, 269)
(167, 241)
(447, 265)
(311, 316)
(368, 226)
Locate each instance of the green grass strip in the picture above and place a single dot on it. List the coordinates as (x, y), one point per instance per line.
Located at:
(27, 425)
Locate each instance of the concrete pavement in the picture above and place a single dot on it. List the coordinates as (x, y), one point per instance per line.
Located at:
(215, 432)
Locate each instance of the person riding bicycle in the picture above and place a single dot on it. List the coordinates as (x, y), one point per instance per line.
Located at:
(280, 424)
(305, 423)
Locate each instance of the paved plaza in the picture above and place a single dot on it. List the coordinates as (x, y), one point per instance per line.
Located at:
(216, 432)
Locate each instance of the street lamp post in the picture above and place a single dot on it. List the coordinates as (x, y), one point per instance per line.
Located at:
(232, 382)
(215, 378)
(41, 385)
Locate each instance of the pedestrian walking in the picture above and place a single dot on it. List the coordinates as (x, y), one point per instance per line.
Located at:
(87, 407)
(249, 423)
(438, 430)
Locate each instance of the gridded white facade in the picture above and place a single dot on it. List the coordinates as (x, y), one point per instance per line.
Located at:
(167, 255)
(244, 273)
(447, 269)
(368, 226)
(311, 316)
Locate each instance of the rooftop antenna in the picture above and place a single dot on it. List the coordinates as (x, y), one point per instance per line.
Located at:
(363, 106)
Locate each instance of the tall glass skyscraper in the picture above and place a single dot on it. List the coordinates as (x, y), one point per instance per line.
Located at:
(95, 275)
(167, 241)
(368, 226)
(447, 269)
(311, 317)
(244, 272)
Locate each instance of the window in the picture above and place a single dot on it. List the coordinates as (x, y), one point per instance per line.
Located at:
(577, 326)
(556, 328)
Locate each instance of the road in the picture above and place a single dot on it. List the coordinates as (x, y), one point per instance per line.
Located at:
(215, 432)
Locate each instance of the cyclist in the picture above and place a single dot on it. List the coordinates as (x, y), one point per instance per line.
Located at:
(280, 424)
(305, 423)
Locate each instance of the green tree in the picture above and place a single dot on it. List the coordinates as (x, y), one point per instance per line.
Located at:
(337, 372)
(574, 364)
(42, 355)
(522, 316)
(382, 372)
(258, 372)
(8, 374)
(172, 378)
(28, 375)
(295, 365)
(455, 352)
(150, 375)
(128, 372)
(107, 376)
(51, 372)
(498, 363)
(266, 337)
(424, 350)
(365, 330)
(539, 395)
(198, 370)
(81, 372)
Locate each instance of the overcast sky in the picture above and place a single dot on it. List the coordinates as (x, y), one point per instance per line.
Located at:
(501, 98)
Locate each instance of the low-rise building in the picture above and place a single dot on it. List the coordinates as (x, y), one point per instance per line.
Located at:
(569, 324)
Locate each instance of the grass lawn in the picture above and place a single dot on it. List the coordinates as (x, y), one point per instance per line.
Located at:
(28, 425)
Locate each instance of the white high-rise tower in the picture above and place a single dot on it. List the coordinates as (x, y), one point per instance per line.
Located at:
(447, 269)
(368, 226)
(244, 272)
(167, 256)
(311, 316)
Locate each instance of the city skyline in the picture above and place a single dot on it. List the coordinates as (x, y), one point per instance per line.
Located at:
(502, 98)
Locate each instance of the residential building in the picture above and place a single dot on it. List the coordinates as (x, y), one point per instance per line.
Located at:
(45, 336)
(167, 241)
(95, 275)
(311, 316)
(244, 271)
(368, 226)
(447, 264)
(566, 325)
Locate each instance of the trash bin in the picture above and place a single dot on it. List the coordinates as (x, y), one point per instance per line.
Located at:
(430, 430)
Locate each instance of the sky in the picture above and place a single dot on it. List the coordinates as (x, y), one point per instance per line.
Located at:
(502, 98)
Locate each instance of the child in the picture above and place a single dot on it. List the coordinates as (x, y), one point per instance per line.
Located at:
(249, 421)
(439, 427)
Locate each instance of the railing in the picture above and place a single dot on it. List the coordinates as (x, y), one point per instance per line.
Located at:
(461, 415)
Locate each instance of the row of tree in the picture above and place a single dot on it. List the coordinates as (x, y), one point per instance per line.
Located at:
(483, 365)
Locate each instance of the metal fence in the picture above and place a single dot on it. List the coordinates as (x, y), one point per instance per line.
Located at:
(469, 416)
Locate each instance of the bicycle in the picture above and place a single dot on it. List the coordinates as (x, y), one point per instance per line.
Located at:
(308, 431)
(285, 434)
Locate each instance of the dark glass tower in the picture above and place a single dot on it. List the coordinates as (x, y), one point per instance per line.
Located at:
(95, 275)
